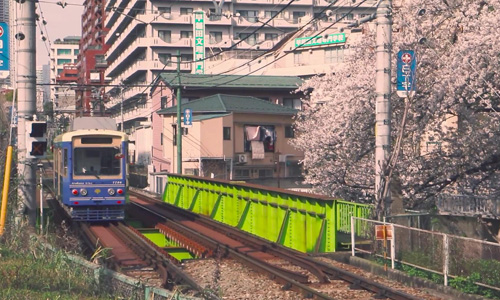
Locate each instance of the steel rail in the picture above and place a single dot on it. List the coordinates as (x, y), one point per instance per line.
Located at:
(322, 270)
(288, 283)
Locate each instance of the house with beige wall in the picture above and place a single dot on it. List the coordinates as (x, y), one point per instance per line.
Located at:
(234, 138)
(278, 90)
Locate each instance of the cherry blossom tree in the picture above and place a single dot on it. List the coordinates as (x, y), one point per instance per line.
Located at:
(451, 130)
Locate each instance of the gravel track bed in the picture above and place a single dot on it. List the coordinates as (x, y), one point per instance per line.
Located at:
(231, 280)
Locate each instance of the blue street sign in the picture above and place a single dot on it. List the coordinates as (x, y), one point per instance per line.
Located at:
(406, 73)
(4, 50)
(188, 117)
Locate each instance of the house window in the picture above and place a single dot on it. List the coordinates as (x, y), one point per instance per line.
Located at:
(251, 39)
(334, 55)
(187, 57)
(270, 14)
(297, 15)
(76, 52)
(165, 58)
(163, 102)
(62, 61)
(163, 10)
(186, 34)
(226, 132)
(265, 173)
(249, 15)
(215, 37)
(241, 173)
(63, 51)
(186, 11)
(165, 35)
(161, 138)
(264, 134)
(289, 133)
(297, 59)
(292, 103)
(193, 171)
(174, 135)
(271, 36)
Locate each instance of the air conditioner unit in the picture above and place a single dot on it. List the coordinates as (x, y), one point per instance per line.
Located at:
(242, 158)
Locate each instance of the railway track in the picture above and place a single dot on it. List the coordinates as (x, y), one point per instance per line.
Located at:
(252, 251)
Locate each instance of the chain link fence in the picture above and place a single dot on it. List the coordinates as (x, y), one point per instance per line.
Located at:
(447, 257)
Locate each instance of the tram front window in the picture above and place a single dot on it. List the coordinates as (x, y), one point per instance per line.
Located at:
(97, 161)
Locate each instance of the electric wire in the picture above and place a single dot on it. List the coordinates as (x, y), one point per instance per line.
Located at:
(282, 56)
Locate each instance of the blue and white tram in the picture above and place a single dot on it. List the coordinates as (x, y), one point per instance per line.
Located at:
(90, 174)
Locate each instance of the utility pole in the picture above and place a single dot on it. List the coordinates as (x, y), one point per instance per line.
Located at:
(383, 105)
(121, 108)
(179, 129)
(26, 86)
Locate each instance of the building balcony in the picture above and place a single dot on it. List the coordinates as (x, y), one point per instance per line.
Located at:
(167, 18)
(218, 20)
(121, 54)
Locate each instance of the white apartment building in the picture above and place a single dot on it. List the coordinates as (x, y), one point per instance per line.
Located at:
(144, 38)
(63, 52)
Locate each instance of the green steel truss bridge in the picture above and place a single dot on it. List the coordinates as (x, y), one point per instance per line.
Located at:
(305, 222)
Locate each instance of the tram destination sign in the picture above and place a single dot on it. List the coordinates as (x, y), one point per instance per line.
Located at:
(335, 38)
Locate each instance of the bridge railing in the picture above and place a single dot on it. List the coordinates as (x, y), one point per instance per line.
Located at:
(301, 221)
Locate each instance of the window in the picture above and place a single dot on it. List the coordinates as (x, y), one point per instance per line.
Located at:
(76, 51)
(193, 171)
(334, 55)
(297, 59)
(249, 15)
(298, 14)
(251, 39)
(63, 51)
(186, 34)
(163, 101)
(161, 138)
(62, 61)
(292, 103)
(270, 14)
(187, 57)
(263, 133)
(164, 35)
(215, 37)
(241, 173)
(186, 11)
(165, 58)
(162, 10)
(174, 135)
(65, 162)
(265, 173)
(226, 132)
(271, 36)
(289, 132)
(343, 17)
(96, 161)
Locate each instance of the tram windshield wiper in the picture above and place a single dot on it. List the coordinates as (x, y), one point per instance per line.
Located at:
(95, 174)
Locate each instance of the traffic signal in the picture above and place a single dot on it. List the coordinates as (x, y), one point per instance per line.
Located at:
(36, 139)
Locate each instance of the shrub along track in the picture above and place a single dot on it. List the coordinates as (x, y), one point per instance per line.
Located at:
(292, 269)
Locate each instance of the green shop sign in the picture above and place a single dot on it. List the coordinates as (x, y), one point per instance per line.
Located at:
(199, 42)
(334, 38)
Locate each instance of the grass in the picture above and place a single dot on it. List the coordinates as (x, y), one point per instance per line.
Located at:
(31, 271)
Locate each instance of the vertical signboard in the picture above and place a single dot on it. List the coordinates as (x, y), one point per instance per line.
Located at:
(4, 50)
(406, 69)
(199, 42)
(188, 117)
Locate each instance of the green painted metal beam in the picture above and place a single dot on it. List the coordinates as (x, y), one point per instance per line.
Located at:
(304, 222)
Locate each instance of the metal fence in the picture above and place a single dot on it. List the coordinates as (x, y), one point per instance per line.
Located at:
(438, 253)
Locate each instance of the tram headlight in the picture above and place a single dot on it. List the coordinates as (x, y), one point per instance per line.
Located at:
(111, 192)
(83, 192)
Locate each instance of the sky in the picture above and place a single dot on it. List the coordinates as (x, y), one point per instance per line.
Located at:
(61, 22)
